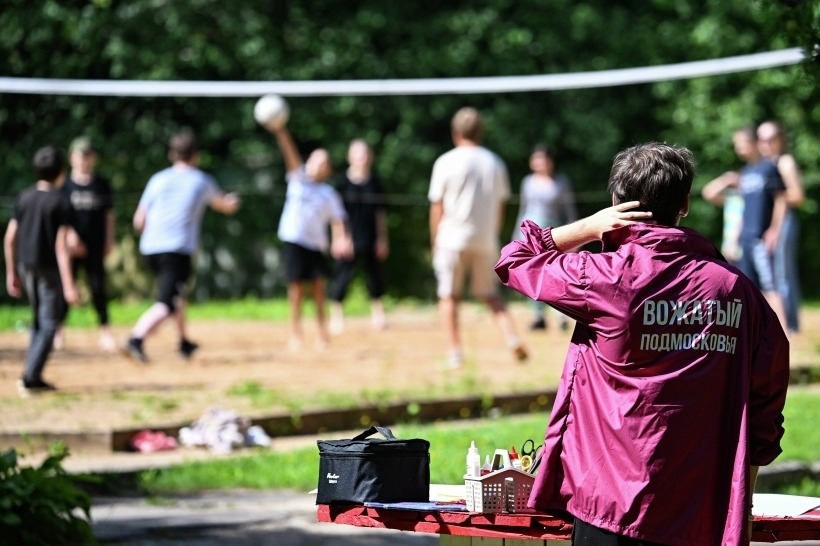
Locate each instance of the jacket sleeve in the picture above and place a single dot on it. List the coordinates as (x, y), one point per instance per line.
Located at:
(534, 267)
(767, 396)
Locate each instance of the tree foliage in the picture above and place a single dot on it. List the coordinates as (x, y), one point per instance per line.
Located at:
(366, 39)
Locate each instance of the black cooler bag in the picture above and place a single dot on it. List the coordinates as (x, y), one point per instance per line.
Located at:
(366, 469)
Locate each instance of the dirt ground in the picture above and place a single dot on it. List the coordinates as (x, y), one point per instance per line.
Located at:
(247, 367)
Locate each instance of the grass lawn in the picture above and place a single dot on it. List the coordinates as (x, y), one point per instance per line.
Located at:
(126, 313)
(448, 446)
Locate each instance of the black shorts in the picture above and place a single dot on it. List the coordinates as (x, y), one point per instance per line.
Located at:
(584, 534)
(303, 264)
(172, 271)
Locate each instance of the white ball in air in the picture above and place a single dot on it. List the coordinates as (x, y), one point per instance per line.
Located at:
(271, 111)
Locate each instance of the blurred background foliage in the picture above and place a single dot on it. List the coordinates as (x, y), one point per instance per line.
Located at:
(368, 39)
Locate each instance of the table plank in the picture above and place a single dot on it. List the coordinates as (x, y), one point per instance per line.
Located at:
(527, 526)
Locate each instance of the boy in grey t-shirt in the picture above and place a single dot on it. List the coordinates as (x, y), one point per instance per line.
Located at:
(169, 217)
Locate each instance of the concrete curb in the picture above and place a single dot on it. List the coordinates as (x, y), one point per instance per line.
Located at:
(786, 473)
(318, 422)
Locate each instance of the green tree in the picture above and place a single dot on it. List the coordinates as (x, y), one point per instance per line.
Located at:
(366, 39)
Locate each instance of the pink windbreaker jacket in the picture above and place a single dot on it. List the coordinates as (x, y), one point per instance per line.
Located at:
(674, 383)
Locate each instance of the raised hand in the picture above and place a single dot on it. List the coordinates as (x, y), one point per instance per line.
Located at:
(615, 217)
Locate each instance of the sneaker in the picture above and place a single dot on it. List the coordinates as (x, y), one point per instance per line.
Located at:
(455, 360)
(539, 324)
(107, 343)
(28, 388)
(336, 326)
(378, 321)
(187, 348)
(295, 344)
(133, 348)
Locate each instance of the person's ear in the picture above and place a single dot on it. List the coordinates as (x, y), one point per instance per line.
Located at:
(685, 209)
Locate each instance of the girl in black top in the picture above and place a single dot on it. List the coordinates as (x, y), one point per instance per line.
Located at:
(364, 200)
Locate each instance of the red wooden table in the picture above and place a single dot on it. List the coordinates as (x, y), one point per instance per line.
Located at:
(530, 526)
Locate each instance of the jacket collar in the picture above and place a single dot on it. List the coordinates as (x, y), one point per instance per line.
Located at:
(660, 239)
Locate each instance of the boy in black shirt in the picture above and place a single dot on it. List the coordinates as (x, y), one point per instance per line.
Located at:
(35, 242)
(93, 222)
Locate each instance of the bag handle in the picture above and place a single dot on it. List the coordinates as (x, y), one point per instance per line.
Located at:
(384, 431)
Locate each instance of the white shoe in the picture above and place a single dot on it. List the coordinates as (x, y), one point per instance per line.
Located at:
(379, 322)
(107, 343)
(455, 360)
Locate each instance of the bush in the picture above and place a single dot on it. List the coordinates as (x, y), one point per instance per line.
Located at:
(43, 505)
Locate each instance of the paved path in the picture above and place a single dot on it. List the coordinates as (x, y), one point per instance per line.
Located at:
(236, 518)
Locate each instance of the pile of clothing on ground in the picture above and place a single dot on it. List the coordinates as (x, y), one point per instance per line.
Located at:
(218, 429)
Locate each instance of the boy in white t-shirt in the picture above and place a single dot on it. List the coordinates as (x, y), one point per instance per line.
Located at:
(311, 206)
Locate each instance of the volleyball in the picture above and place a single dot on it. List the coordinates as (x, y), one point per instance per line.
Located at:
(271, 111)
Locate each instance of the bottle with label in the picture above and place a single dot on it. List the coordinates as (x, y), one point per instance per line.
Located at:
(473, 461)
(488, 466)
(514, 460)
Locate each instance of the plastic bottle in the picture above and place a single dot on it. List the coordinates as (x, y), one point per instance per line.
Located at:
(514, 460)
(473, 461)
(488, 466)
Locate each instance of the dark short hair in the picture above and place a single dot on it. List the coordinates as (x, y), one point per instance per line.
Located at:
(542, 148)
(749, 131)
(48, 163)
(182, 146)
(468, 123)
(658, 175)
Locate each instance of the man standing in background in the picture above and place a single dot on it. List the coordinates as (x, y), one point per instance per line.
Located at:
(764, 207)
(468, 190)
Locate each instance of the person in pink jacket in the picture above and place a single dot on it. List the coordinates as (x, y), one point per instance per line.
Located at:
(675, 380)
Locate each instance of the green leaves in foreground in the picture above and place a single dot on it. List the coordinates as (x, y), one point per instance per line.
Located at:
(40, 505)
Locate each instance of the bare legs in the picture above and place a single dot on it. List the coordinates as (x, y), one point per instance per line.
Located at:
(319, 302)
(296, 293)
(150, 319)
(448, 309)
(505, 322)
(378, 317)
